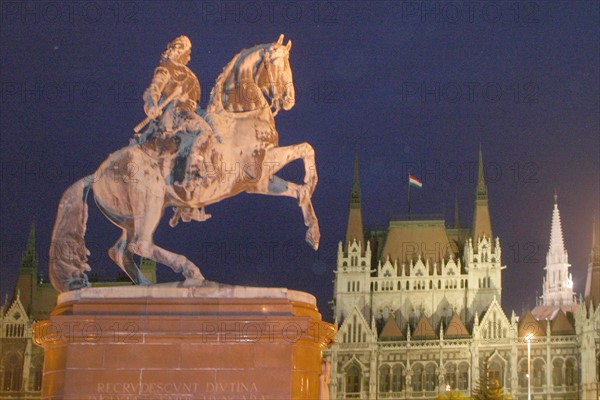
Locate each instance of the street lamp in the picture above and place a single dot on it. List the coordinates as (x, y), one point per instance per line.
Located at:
(528, 338)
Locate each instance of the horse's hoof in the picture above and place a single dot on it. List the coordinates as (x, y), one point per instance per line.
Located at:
(193, 273)
(189, 282)
(78, 282)
(312, 238)
(143, 281)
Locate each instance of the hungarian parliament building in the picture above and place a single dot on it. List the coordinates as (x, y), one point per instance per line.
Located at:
(418, 311)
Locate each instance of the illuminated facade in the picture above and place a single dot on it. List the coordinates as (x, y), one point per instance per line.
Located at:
(418, 312)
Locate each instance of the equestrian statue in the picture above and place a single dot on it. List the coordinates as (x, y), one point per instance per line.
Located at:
(184, 159)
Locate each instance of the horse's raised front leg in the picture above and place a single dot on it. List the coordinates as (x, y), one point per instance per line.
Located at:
(275, 159)
(275, 186)
(278, 157)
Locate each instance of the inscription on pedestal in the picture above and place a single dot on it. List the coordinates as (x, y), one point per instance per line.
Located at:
(176, 391)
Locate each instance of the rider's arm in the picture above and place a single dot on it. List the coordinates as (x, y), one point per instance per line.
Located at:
(154, 91)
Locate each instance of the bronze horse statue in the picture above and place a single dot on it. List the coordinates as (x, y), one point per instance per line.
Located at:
(135, 184)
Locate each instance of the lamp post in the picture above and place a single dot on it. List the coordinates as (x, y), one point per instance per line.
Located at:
(528, 338)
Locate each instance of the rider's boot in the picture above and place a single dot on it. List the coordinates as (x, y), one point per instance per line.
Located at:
(187, 214)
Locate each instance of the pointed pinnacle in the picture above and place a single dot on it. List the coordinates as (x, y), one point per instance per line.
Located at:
(355, 194)
(456, 219)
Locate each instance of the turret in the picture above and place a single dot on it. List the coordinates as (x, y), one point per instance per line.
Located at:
(352, 279)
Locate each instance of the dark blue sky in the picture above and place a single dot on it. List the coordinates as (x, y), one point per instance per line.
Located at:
(408, 84)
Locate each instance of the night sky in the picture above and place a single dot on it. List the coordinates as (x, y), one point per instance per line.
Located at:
(415, 85)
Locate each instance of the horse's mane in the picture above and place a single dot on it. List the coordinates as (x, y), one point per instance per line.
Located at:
(215, 102)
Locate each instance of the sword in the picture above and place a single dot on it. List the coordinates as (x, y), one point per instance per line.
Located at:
(161, 107)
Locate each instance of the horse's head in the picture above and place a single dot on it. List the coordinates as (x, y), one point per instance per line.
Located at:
(256, 78)
(279, 84)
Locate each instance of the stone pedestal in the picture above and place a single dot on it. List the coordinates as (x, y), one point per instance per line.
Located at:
(173, 342)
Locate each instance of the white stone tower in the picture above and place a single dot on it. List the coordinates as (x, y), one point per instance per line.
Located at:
(558, 284)
(352, 276)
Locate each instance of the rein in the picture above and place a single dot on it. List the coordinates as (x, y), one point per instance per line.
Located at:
(274, 100)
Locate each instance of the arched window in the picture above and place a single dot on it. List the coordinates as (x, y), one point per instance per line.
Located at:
(430, 378)
(12, 365)
(539, 373)
(353, 378)
(570, 373)
(417, 378)
(450, 376)
(385, 379)
(463, 376)
(398, 378)
(557, 372)
(495, 372)
(523, 373)
(36, 374)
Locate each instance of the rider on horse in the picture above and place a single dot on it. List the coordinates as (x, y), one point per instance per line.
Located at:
(175, 83)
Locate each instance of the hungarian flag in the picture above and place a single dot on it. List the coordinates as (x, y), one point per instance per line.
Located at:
(412, 181)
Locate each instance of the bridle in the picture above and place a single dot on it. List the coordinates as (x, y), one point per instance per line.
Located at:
(275, 97)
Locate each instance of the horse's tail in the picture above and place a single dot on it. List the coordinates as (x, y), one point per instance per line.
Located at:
(68, 255)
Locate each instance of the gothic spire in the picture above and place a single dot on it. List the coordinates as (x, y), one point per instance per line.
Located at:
(482, 224)
(355, 194)
(592, 284)
(595, 254)
(30, 259)
(456, 218)
(558, 285)
(556, 253)
(355, 226)
(27, 278)
(481, 192)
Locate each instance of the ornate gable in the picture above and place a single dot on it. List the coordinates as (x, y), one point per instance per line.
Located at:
(451, 268)
(355, 329)
(16, 323)
(16, 313)
(419, 269)
(388, 270)
(484, 250)
(494, 324)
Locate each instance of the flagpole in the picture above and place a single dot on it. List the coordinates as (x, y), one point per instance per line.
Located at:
(409, 218)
